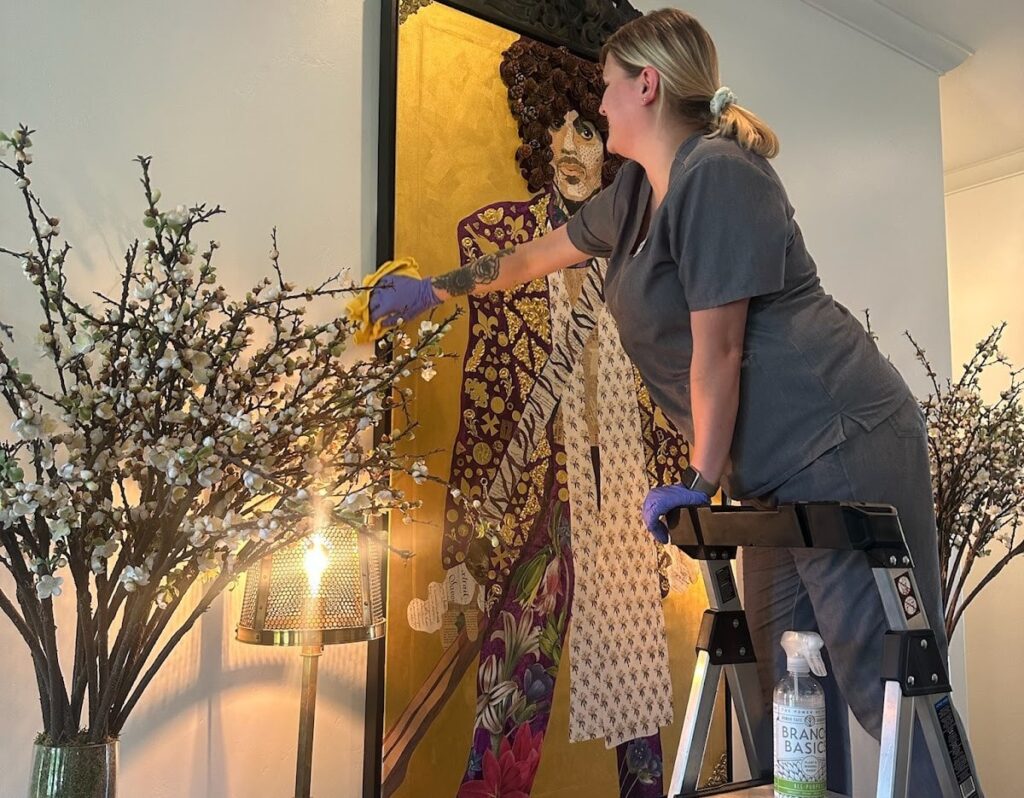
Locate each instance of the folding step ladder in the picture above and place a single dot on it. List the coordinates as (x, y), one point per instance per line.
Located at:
(916, 682)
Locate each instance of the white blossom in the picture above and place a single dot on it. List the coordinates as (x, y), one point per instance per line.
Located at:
(100, 554)
(357, 501)
(147, 291)
(48, 586)
(419, 472)
(178, 216)
(59, 528)
(134, 577)
(169, 361)
(253, 481)
(24, 506)
(209, 477)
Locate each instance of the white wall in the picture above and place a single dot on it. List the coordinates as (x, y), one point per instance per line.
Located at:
(986, 272)
(861, 158)
(270, 110)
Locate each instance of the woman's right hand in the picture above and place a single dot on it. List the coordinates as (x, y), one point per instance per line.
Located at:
(395, 297)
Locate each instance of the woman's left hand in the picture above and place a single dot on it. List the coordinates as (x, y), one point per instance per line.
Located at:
(396, 296)
(662, 500)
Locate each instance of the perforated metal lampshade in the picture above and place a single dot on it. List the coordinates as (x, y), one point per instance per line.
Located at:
(283, 605)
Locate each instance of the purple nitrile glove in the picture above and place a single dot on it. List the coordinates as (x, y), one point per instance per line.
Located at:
(395, 297)
(661, 500)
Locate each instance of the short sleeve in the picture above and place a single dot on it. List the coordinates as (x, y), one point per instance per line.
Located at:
(729, 233)
(593, 229)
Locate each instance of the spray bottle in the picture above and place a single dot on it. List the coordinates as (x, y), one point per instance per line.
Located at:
(799, 713)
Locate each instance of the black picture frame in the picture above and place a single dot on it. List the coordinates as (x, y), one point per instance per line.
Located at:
(579, 25)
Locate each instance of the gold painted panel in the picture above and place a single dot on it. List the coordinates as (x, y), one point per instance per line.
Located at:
(457, 178)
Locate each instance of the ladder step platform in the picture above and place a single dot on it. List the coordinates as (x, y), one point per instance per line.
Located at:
(766, 791)
(741, 791)
(748, 789)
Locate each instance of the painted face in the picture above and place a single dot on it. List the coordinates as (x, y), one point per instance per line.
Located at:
(578, 157)
(619, 104)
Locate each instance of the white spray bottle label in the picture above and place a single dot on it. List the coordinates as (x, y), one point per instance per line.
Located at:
(799, 714)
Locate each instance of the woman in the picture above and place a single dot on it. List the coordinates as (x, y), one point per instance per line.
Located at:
(780, 391)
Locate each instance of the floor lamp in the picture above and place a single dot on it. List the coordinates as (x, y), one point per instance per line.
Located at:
(318, 592)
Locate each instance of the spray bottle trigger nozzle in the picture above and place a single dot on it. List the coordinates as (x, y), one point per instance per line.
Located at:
(816, 662)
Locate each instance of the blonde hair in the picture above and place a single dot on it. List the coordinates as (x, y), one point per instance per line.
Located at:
(681, 50)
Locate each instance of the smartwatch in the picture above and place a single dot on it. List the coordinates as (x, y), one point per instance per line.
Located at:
(694, 480)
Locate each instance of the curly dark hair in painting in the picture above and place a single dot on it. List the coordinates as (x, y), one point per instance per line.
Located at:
(545, 83)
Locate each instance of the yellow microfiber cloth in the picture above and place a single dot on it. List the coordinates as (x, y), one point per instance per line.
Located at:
(358, 309)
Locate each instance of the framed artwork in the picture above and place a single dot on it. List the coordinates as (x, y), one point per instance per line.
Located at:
(550, 653)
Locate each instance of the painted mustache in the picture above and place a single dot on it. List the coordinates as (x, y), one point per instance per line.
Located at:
(572, 168)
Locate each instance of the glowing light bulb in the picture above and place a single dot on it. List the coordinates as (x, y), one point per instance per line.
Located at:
(316, 561)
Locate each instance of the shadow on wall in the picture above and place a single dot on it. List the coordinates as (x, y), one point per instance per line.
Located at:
(206, 686)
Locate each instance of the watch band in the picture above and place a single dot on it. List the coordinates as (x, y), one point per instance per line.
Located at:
(694, 480)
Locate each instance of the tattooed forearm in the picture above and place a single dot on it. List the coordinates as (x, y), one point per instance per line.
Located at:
(482, 271)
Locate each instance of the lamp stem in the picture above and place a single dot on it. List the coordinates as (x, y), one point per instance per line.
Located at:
(307, 714)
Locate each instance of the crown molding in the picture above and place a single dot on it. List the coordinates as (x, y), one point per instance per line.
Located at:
(982, 173)
(897, 32)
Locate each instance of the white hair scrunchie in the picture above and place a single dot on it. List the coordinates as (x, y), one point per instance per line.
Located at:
(722, 99)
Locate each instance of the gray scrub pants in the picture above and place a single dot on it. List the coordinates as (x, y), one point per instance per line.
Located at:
(834, 593)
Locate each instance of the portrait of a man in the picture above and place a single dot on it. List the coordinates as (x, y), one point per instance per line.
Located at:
(569, 546)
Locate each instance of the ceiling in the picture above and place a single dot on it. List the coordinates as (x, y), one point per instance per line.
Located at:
(983, 98)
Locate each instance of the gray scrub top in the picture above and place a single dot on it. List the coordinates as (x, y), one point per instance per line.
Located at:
(724, 232)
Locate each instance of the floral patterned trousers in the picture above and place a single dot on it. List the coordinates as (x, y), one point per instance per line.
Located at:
(519, 661)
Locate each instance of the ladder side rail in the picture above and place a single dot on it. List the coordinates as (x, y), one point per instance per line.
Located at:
(923, 681)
